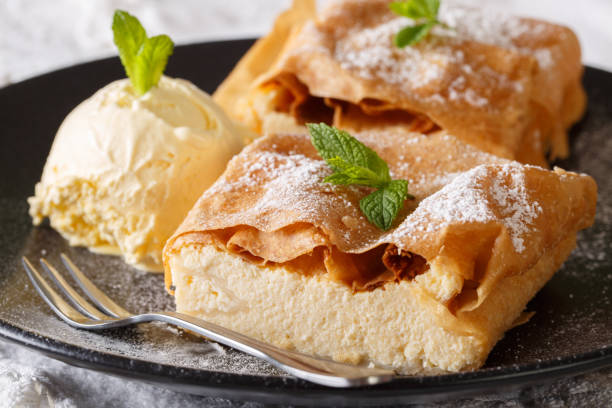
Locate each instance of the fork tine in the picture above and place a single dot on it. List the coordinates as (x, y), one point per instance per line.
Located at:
(53, 299)
(77, 300)
(95, 294)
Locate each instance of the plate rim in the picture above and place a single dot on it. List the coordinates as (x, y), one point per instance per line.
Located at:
(269, 388)
(294, 390)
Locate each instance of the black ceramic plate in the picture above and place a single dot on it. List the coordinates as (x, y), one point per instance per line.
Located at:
(570, 333)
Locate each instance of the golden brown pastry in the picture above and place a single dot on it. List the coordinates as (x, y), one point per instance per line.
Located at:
(510, 86)
(273, 252)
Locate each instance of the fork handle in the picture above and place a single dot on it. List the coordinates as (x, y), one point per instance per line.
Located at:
(320, 371)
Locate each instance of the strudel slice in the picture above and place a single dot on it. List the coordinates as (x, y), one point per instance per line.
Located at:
(510, 86)
(273, 252)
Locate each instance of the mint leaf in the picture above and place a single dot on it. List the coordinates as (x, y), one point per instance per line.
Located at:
(355, 163)
(414, 9)
(425, 15)
(355, 174)
(407, 9)
(339, 179)
(129, 35)
(331, 143)
(382, 206)
(151, 62)
(432, 7)
(144, 59)
(410, 35)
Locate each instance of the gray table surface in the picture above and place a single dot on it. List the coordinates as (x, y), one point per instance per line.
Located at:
(38, 36)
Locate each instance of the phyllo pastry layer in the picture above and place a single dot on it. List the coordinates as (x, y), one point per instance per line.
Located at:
(508, 85)
(273, 252)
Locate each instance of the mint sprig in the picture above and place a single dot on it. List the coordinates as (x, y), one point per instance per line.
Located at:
(382, 206)
(144, 58)
(425, 15)
(355, 163)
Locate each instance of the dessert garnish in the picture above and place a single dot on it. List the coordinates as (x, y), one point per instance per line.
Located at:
(425, 15)
(355, 163)
(144, 58)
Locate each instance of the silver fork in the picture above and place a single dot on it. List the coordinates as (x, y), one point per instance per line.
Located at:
(108, 314)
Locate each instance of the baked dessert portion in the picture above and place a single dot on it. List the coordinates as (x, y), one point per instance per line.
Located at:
(510, 86)
(271, 251)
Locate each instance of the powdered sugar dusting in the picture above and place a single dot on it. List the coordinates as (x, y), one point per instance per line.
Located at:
(437, 181)
(435, 66)
(293, 181)
(460, 201)
(516, 207)
(485, 25)
(492, 26)
(370, 52)
(469, 199)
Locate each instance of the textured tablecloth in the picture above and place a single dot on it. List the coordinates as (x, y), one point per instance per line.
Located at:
(41, 35)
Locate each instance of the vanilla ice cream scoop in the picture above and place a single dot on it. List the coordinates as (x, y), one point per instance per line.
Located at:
(124, 169)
